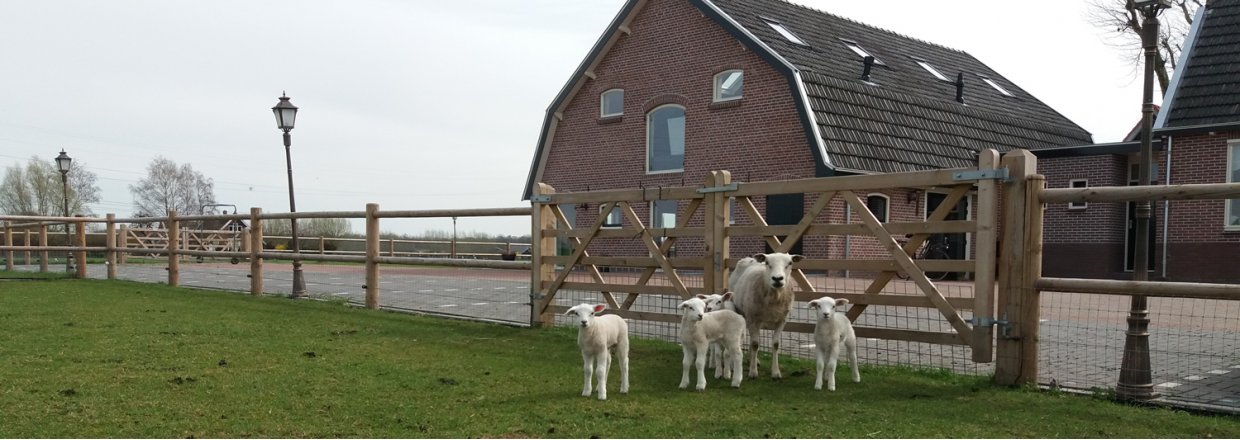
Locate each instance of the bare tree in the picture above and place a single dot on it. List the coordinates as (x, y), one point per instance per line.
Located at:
(168, 186)
(36, 189)
(1123, 22)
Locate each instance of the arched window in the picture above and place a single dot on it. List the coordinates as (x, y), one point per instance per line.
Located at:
(878, 204)
(665, 139)
(611, 103)
(729, 85)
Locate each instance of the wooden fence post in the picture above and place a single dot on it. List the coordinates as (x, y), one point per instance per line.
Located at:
(322, 242)
(372, 256)
(541, 246)
(1031, 304)
(8, 241)
(1010, 368)
(80, 255)
(110, 243)
(43, 243)
(122, 242)
(391, 247)
(174, 239)
(716, 220)
(26, 257)
(256, 246)
(984, 276)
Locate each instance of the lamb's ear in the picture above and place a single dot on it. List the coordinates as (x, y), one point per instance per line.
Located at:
(841, 301)
(701, 297)
(727, 296)
(599, 308)
(760, 257)
(684, 304)
(813, 304)
(568, 312)
(796, 258)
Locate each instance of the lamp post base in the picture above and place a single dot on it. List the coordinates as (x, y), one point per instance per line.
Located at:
(299, 282)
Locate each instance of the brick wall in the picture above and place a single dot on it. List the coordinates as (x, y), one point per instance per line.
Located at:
(1200, 249)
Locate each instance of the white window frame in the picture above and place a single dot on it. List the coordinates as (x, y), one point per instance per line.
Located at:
(1076, 206)
(656, 223)
(719, 78)
(930, 68)
(1233, 156)
(996, 85)
(783, 30)
(685, 135)
(886, 200)
(856, 48)
(608, 222)
(602, 103)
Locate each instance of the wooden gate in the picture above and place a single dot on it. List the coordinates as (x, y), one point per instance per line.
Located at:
(704, 217)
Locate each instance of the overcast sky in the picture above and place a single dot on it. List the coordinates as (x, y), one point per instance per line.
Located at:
(415, 104)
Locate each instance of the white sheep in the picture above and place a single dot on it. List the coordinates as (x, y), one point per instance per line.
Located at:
(597, 334)
(764, 298)
(714, 357)
(832, 330)
(698, 329)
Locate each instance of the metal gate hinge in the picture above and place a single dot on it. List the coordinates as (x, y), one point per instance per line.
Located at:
(714, 189)
(997, 173)
(1004, 326)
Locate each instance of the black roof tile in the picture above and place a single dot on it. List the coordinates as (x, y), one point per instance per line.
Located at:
(1208, 87)
(907, 119)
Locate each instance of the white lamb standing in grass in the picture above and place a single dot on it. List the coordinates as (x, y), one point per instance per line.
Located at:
(596, 335)
(714, 357)
(833, 331)
(764, 298)
(698, 329)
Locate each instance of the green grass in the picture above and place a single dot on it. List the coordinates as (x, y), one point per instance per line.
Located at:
(88, 358)
(52, 274)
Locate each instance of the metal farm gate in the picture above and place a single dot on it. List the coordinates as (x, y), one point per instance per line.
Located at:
(642, 271)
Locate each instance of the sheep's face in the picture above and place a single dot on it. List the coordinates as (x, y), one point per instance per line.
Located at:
(826, 305)
(716, 301)
(778, 267)
(693, 308)
(583, 314)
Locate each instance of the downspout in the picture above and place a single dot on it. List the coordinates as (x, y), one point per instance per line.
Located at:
(1166, 212)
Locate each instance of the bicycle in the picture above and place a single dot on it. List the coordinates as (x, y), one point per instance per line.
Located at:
(934, 248)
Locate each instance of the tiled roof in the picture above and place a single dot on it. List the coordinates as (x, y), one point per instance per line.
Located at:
(1208, 88)
(904, 118)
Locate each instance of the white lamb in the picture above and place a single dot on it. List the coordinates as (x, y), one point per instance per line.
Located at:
(714, 357)
(833, 329)
(764, 298)
(698, 329)
(597, 334)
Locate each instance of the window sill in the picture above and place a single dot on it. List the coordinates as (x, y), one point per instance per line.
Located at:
(1077, 208)
(610, 119)
(719, 105)
(648, 172)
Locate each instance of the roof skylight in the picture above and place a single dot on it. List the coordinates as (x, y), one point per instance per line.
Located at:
(779, 27)
(860, 51)
(997, 86)
(931, 69)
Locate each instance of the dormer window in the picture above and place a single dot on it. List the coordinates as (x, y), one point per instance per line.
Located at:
(729, 85)
(611, 103)
(996, 86)
(856, 48)
(783, 30)
(931, 69)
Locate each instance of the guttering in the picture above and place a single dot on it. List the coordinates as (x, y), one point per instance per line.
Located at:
(1166, 213)
(1203, 128)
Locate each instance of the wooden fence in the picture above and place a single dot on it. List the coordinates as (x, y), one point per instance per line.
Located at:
(703, 214)
(251, 247)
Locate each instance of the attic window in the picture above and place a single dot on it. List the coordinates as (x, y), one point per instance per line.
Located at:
(611, 103)
(931, 69)
(861, 51)
(728, 85)
(997, 86)
(779, 27)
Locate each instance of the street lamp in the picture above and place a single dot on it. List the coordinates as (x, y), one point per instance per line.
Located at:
(286, 114)
(1135, 379)
(63, 163)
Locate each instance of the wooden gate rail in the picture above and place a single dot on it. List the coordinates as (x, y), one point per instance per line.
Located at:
(716, 232)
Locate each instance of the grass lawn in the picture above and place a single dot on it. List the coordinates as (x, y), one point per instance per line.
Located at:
(89, 358)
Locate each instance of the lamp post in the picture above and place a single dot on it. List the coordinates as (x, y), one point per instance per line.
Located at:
(63, 163)
(286, 115)
(1135, 379)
